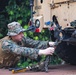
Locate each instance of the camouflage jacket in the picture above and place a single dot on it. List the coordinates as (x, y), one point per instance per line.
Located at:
(28, 47)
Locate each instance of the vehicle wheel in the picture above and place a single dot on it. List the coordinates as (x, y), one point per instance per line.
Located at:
(67, 52)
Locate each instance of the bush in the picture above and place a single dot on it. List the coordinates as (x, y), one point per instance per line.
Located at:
(14, 10)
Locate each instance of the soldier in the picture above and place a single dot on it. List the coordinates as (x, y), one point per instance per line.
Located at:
(16, 44)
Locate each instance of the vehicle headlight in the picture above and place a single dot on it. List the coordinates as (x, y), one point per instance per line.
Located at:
(37, 23)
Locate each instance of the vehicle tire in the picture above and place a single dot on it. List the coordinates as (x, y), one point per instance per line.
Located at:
(66, 52)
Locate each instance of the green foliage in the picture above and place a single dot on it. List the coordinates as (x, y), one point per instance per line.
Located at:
(1, 35)
(3, 22)
(16, 10)
(40, 36)
(55, 60)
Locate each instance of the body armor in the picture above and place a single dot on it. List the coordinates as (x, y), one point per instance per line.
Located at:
(7, 59)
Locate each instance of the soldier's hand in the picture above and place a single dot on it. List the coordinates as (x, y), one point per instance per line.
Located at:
(51, 44)
(54, 44)
(47, 51)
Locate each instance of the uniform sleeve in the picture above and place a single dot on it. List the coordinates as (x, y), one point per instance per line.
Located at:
(34, 43)
(9, 46)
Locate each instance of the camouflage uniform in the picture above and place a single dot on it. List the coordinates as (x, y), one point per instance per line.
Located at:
(28, 47)
(31, 48)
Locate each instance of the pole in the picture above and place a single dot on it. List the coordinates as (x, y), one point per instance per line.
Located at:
(31, 5)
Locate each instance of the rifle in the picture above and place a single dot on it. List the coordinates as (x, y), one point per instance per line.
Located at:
(58, 29)
(57, 32)
(40, 66)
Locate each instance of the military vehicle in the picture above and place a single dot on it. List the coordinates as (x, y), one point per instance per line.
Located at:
(60, 14)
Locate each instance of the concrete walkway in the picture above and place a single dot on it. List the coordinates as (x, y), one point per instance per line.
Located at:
(54, 70)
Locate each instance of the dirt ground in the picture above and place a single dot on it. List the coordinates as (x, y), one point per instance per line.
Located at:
(53, 70)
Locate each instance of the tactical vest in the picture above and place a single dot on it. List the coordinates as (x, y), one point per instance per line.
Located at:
(7, 59)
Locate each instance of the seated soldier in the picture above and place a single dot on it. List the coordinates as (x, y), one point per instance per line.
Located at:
(15, 44)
